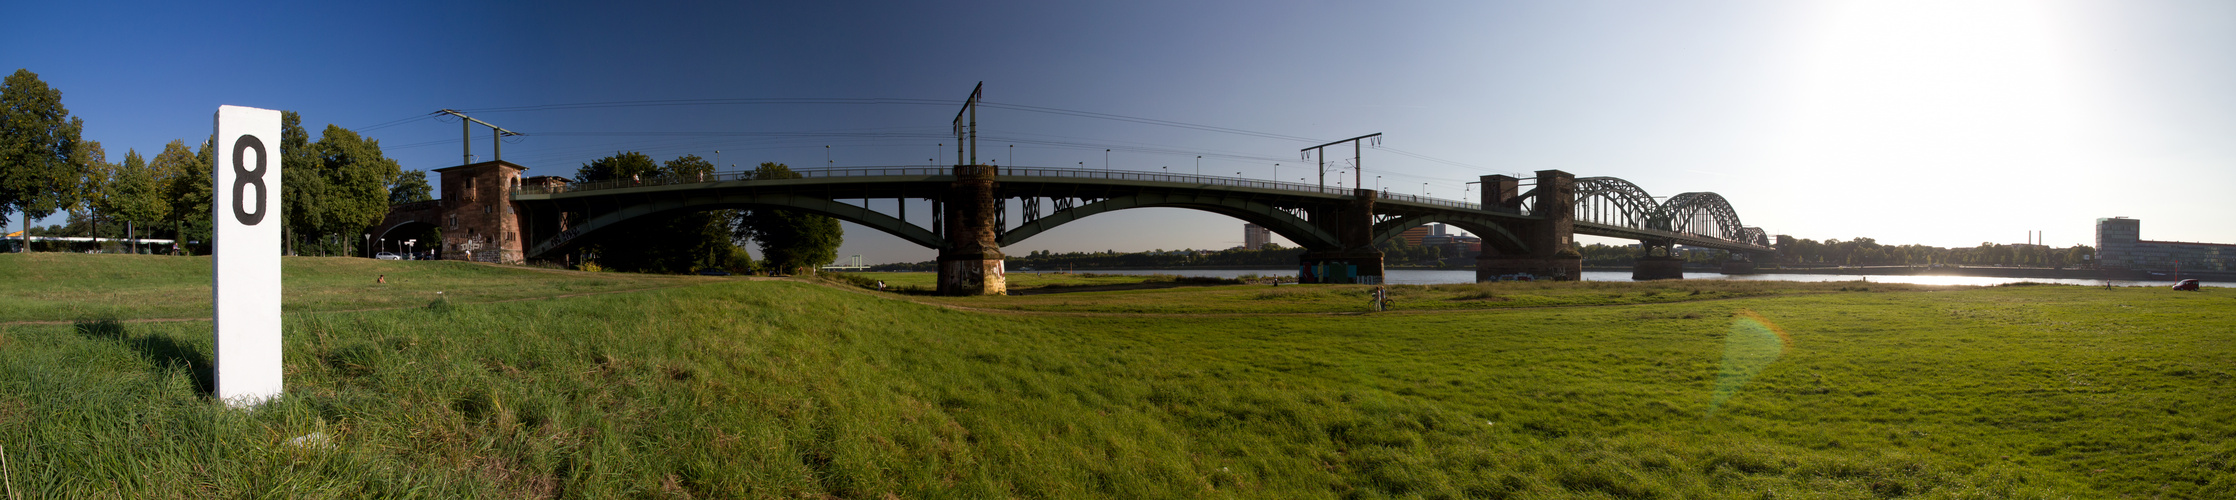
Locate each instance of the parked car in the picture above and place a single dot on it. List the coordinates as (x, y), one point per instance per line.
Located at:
(2186, 285)
(387, 256)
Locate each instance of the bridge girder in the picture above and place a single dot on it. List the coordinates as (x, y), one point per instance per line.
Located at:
(1495, 235)
(1236, 205)
(1705, 214)
(1617, 202)
(746, 200)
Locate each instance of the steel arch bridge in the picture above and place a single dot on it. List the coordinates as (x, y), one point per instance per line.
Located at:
(976, 210)
(1609, 206)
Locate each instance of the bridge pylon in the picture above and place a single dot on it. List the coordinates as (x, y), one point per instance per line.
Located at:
(1356, 260)
(970, 263)
(1550, 240)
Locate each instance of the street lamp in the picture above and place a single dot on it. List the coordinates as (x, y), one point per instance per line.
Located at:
(718, 158)
(1106, 160)
(1013, 156)
(1424, 189)
(1199, 164)
(1377, 183)
(827, 163)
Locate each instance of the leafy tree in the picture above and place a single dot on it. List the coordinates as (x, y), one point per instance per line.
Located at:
(186, 187)
(302, 189)
(411, 187)
(95, 172)
(354, 193)
(629, 165)
(38, 141)
(791, 241)
(134, 195)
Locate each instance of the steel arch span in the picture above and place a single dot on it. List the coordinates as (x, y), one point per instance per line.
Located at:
(1705, 214)
(819, 206)
(1616, 202)
(1279, 220)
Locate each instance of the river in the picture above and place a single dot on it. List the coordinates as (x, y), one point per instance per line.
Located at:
(1442, 276)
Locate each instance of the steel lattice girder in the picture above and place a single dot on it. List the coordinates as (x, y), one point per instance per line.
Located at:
(1705, 214)
(1637, 208)
(1231, 204)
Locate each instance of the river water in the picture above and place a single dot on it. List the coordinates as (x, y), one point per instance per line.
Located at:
(1438, 276)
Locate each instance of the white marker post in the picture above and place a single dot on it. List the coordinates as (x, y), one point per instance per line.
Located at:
(245, 280)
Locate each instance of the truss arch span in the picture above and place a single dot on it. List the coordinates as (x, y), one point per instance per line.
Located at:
(1705, 214)
(1276, 219)
(1616, 202)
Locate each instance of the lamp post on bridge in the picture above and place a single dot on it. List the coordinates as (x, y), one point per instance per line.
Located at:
(1424, 190)
(1377, 183)
(827, 163)
(1199, 164)
(1106, 160)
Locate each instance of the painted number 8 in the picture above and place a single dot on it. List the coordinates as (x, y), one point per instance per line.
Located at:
(243, 177)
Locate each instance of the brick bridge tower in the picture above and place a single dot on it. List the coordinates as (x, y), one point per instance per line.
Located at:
(479, 221)
(1551, 240)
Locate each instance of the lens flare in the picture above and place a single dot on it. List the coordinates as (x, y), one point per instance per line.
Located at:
(1753, 343)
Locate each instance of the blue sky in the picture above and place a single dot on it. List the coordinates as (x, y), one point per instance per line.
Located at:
(1945, 123)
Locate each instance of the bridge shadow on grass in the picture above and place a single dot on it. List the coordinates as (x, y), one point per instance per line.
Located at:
(166, 352)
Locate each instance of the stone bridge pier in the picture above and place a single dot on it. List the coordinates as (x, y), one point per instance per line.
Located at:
(1356, 261)
(971, 261)
(1550, 240)
(1657, 261)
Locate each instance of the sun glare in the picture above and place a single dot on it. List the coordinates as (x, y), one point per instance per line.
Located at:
(1969, 87)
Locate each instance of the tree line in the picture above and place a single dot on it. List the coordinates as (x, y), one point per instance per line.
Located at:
(334, 188)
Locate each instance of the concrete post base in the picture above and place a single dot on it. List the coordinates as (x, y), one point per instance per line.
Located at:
(1658, 268)
(971, 275)
(1489, 268)
(1739, 267)
(1340, 267)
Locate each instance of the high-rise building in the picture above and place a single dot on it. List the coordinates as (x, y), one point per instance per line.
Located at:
(1255, 237)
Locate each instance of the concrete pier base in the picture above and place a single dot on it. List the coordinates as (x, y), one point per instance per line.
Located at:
(1658, 268)
(1340, 267)
(1739, 267)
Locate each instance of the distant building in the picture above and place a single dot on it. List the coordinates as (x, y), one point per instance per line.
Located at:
(1415, 235)
(2119, 245)
(1255, 237)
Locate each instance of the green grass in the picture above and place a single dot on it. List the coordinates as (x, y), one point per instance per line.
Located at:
(67, 286)
(786, 389)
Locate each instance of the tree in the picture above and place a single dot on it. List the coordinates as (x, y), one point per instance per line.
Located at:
(186, 186)
(134, 195)
(354, 195)
(663, 243)
(629, 165)
(95, 172)
(791, 241)
(411, 187)
(302, 189)
(38, 141)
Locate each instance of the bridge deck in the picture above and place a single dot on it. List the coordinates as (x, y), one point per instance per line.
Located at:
(892, 182)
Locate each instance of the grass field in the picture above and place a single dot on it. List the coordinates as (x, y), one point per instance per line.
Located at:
(731, 388)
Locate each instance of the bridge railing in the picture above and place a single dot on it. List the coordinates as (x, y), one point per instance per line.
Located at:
(1008, 172)
(1129, 175)
(741, 175)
